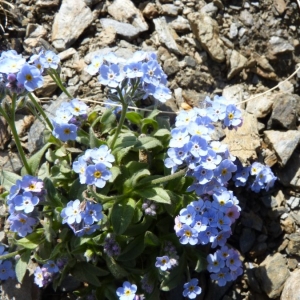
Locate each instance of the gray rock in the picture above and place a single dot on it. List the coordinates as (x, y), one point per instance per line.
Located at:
(179, 24)
(293, 247)
(33, 40)
(123, 29)
(296, 217)
(69, 23)
(48, 88)
(190, 61)
(47, 3)
(171, 66)
(247, 240)
(284, 114)
(272, 274)
(234, 93)
(246, 18)
(235, 62)
(291, 290)
(233, 31)
(280, 45)
(244, 142)
(170, 10)
(166, 35)
(124, 11)
(206, 31)
(260, 106)
(209, 9)
(284, 143)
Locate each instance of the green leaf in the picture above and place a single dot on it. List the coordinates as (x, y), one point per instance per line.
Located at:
(32, 240)
(148, 125)
(201, 264)
(94, 141)
(151, 239)
(86, 272)
(8, 179)
(153, 114)
(162, 133)
(52, 195)
(156, 194)
(108, 117)
(116, 270)
(35, 160)
(44, 171)
(139, 228)
(115, 173)
(134, 117)
(147, 143)
(21, 265)
(133, 249)
(122, 214)
(76, 190)
(61, 152)
(82, 137)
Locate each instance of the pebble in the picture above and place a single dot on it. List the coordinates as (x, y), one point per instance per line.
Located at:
(291, 290)
(279, 45)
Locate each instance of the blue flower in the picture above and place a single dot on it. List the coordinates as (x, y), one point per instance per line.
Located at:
(152, 72)
(197, 146)
(96, 62)
(32, 184)
(233, 116)
(187, 235)
(133, 70)
(79, 167)
(49, 60)
(163, 263)
(97, 175)
(203, 175)
(102, 155)
(6, 270)
(110, 75)
(92, 213)
(26, 202)
(30, 77)
(86, 230)
(162, 93)
(233, 261)
(222, 276)
(180, 137)
(215, 262)
(11, 62)
(187, 215)
(191, 289)
(224, 171)
(51, 266)
(39, 277)
(72, 213)
(65, 132)
(21, 223)
(127, 292)
(77, 107)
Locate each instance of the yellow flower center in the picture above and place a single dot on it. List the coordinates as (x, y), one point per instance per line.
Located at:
(97, 174)
(67, 131)
(230, 116)
(28, 77)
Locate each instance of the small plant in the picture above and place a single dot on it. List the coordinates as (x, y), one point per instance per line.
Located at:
(120, 200)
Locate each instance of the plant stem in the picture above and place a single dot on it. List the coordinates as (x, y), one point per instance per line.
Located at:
(163, 179)
(122, 119)
(41, 111)
(56, 78)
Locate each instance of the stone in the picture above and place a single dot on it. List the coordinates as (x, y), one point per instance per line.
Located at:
(279, 45)
(210, 9)
(284, 143)
(193, 98)
(288, 225)
(296, 217)
(107, 36)
(124, 11)
(166, 35)
(170, 10)
(293, 247)
(233, 31)
(251, 220)
(258, 249)
(71, 20)
(286, 87)
(125, 30)
(291, 290)
(179, 24)
(272, 274)
(4, 134)
(47, 3)
(22, 123)
(48, 88)
(246, 18)
(234, 94)
(235, 61)
(280, 6)
(206, 31)
(171, 66)
(150, 11)
(33, 40)
(64, 55)
(260, 106)
(244, 142)
(284, 114)
(247, 240)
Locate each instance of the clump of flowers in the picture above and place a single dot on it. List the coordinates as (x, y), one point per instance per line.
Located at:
(21, 201)
(111, 247)
(127, 291)
(191, 289)
(81, 216)
(169, 259)
(6, 266)
(45, 274)
(69, 116)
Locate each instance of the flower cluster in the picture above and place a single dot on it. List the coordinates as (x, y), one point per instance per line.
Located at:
(149, 207)
(169, 259)
(21, 201)
(92, 166)
(264, 177)
(43, 276)
(81, 216)
(146, 284)
(139, 77)
(191, 289)
(68, 117)
(225, 265)
(205, 221)
(6, 266)
(127, 291)
(111, 247)
(19, 75)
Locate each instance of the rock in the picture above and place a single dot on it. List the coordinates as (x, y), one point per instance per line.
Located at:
(247, 240)
(279, 45)
(235, 62)
(150, 11)
(166, 35)
(296, 217)
(193, 98)
(22, 123)
(4, 134)
(272, 274)
(171, 66)
(66, 54)
(47, 3)
(209, 9)
(48, 88)
(71, 20)
(293, 247)
(179, 24)
(124, 11)
(170, 10)
(293, 202)
(288, 225)
(284, 114)
(280, 6)
(233, 31)
(259, 249)
(33, 40)
(291, 290)
(284, 143)
(251, 220)
(123, 29)
(246, 18)
(286, 87)
(206, 31)
(107, 36)
(260, 106)
(244, 142)
(234, 94)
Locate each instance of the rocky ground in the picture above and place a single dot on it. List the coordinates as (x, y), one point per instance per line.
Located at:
(239, 49)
